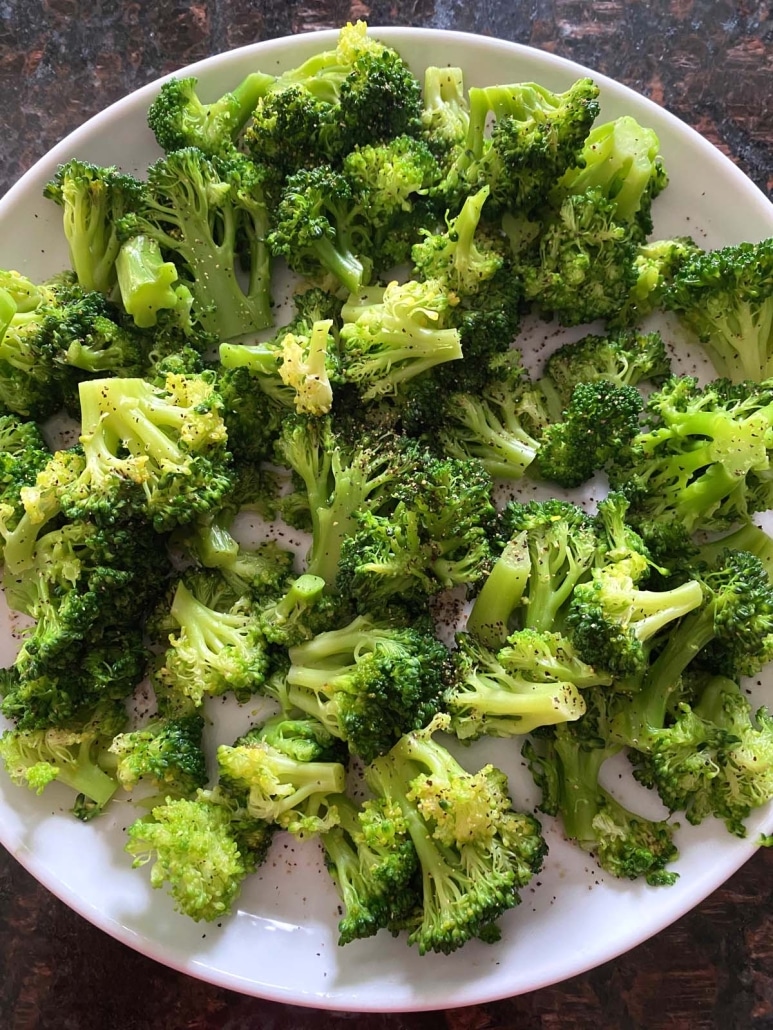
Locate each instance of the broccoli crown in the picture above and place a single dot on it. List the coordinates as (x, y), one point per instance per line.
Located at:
(624, 358)
(459, 256)
(213, 651)
(622, 159)
(599, 422)
(445, 118)
(109, 665)
(197, 209)
(287, 771)
(93, 200)
(516, 689)
(475, 852)
(157, 453)
(725, 297)
(394, 333)
(166, 751)
(68, 753)
(435, 537)
(388, 178)
(703, 457)
(557, 544)
(566, 762)
(536, 136)
(581, 266)
(252, 418)
(178, 118)
(202, 848)
(489, 423)
(655, 265)
(612, 622)
(714, 758)
(372, 861)
(318, 227)
(368, 682)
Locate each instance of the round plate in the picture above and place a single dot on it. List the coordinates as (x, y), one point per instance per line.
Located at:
(280, 943)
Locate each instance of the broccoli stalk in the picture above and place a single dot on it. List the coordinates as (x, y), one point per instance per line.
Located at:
(147, 282)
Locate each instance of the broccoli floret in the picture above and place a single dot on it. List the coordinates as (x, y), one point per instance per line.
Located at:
(462, 258)
(581, 266)
(295, 616)
(599, 422)
(198, 210)
(730, 633)
(536, 136)
(493, 424)
(178, 118)
(213, 651)
(566, 762)
(151, 452)
(288, 770)
(612, 622)
(167, 752)
(725, 297)
(531, 682)
(93, 200)
(475, 852)
(622, 159)
(339, 479)
(253, 419)
(624, 358)
(714, 758)
(392, 334)
(436, 536)
(655, 265)
(703, 458)
(203, 848)
(367, 683)
(108, 666)
(360, 92)
(445, 119)
(561, 542)
(318, 227)
(372, 861)
(148, 284)
(69, 753)
(23, 455)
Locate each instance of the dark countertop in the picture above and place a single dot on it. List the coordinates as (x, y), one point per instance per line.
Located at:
(708, 61)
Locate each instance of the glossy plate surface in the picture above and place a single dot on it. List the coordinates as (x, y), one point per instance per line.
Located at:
(281, 941)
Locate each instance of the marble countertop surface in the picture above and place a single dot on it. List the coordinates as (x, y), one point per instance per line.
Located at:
(708, 61)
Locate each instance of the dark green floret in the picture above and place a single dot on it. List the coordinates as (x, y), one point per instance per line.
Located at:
(165, 752)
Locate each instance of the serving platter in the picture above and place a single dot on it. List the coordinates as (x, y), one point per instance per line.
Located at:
(280, 942)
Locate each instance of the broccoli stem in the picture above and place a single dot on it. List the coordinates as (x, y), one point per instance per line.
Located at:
(247, 94)
(501, 593)
(305, 591)
(343, 264)
(85, 777)
(145, 280)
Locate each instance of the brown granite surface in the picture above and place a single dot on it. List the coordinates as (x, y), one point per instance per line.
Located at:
(708, 61)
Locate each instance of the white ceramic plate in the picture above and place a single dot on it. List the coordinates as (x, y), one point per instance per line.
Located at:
(281, 941)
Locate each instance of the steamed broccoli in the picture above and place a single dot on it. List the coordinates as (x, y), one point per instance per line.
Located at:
(178, 118)
(197, 209)
(203, 848)
(475, 852)
(703, 458)
(391, 334)
(367, 683)
(566, 763)
(372, 861)
(288, 769)
(533, 681)
(167, 752)
(94, 200)
(158, 453)
(69, 753)
(725, 297)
